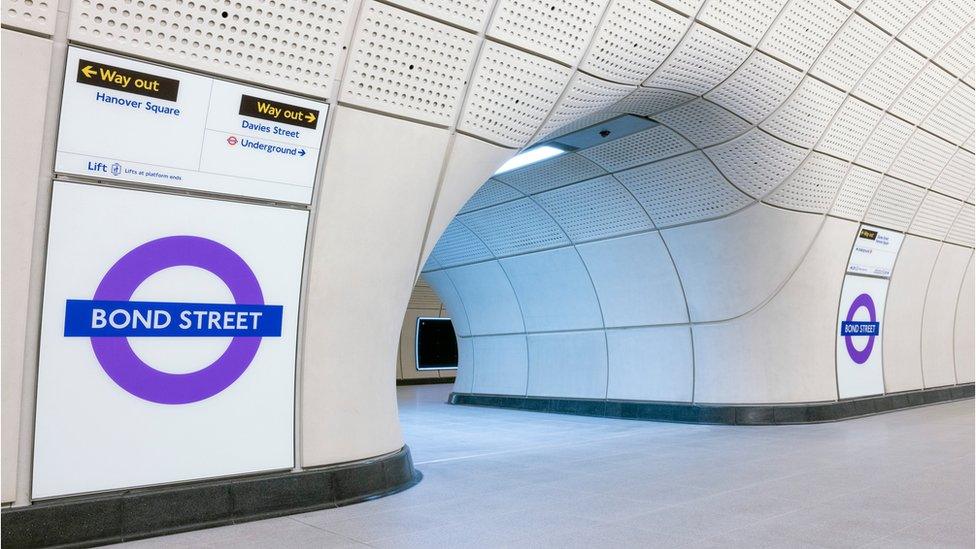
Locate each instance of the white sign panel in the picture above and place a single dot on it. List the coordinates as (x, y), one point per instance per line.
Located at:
(859, 366)
(167, 339)
(874, 251)
(132, 121)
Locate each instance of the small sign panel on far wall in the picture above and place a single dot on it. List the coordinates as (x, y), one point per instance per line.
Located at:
(126, 120)
(874, 252)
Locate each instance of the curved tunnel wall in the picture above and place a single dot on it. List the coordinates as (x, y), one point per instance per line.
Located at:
(429, 97)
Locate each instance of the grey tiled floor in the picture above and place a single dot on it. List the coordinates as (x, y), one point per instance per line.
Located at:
(499, 478)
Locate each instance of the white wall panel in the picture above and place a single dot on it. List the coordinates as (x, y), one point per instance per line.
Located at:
(884, 144)
(937, 24)
(491, 192)
(464, 380)
(469, 163)
(633, 39)
(730, 265)
(957, 58)
(939, 315)
(922, 158)
(360, 278)
(510, 94)
(568, 364)
(775, 354)
(964, 339)
(683, 189)
(651, 101)
(554, 290)
(952, 118)
(489, 301)
(923, 93)
(892, 15)
(288, 44)
(635, 280)
(650, 364)
(559, 30)
(442, 284)
(501, 365)
(29, 58)
(459, 246)
(407, 65)
(903, 314)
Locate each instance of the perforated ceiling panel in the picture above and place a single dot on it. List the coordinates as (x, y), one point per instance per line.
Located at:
(702, 60)
(632, 41)
(458, 246)
(803, 29)
(757, 88)
(889, 75)
(515, 228)
(937, 24)
(850, 129)
(923, 93)
(32, 15)
(804, 116)
(850, 54)
(470, 14)
(651, 101)
(704, 123)
(558, 30)
(511, 94)
(407, 65)
(491, 193)
(639, 148)
(595, 209)
(746, 20)
(957, 178)
(922, 158)
(290, 44)
(584, 95)
(952, 117)
(756, 162)
(962, 228)
(886, 140)
(855, 193)
(813, 187)
(892, 15)
(957, 58)
(894, 204)
(555, 172)
(935, 216)
(682, 190)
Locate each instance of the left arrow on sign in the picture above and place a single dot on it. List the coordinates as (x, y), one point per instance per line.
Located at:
(88, 71)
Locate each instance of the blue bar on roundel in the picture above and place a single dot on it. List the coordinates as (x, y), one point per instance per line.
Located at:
(854, 328)
(88, 318)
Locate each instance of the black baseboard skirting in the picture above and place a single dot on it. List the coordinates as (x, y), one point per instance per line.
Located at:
(86, 521)
(424, 381)
(773, 414)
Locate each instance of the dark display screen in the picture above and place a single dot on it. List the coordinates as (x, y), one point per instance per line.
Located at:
(436, 344)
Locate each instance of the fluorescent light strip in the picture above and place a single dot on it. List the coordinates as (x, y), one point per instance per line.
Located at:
(530, 156)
